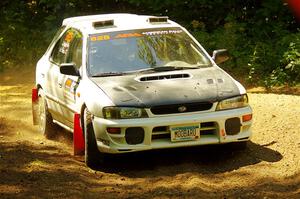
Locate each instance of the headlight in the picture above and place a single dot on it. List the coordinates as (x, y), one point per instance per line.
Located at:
(123, 113)
(231, 103)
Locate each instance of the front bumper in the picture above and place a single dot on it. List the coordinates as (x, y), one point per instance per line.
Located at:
(213, 130)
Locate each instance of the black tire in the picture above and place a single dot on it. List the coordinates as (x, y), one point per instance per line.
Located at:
(46, 125)
(92, 155)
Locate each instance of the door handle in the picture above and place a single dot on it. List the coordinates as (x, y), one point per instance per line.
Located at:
(60, 85)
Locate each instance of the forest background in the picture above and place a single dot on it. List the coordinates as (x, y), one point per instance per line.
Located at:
(262, 36)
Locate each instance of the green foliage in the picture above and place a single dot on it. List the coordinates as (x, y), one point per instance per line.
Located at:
(292, 59)
(257, 42)
(290, 66)
(276, 62)
(261, 36)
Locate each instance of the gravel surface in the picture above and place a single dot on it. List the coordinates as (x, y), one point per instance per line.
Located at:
(34, 167)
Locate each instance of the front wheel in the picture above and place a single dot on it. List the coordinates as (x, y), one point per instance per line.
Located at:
(46, 125)
(92, 155)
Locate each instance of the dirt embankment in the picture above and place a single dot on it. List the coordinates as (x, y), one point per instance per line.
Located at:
(34, 167)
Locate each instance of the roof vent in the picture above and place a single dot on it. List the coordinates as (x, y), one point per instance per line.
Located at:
(163, 77)
(103, 24)
(156, 20)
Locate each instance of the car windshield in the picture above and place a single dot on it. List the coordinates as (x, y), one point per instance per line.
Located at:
(118, 53)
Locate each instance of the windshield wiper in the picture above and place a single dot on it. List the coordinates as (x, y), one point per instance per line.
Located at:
(153, 69)
(106, 74)
(167, 68)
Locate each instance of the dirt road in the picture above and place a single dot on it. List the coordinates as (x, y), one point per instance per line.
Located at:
(34, 167)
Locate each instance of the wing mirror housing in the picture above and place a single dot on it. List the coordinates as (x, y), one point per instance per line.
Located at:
(69, 69)
(220, 56)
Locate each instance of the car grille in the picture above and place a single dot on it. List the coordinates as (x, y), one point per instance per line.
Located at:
(160, 132)
(206, 129)
(179, 108)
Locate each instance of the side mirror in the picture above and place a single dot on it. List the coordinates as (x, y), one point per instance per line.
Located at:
(69, 69)
(220, 56)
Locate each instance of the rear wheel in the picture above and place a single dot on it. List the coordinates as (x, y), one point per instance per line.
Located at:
(93, 156)
(46, 125)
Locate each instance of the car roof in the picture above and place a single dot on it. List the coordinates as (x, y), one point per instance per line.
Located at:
(121, 21)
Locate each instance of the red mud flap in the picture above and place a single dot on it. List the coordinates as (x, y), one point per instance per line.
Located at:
(35, 98)
(78, 139)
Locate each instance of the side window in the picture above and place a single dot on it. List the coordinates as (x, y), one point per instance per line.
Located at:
(61, 29)
(75, 54)
(59, 53)
(67, 48)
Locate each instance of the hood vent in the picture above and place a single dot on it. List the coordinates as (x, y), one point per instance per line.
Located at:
(163, 77)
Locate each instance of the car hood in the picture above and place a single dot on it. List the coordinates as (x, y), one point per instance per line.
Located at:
(174, 87)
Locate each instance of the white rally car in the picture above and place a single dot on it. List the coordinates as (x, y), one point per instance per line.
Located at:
(125, 83)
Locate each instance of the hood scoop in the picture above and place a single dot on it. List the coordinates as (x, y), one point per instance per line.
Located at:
(164, 77)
